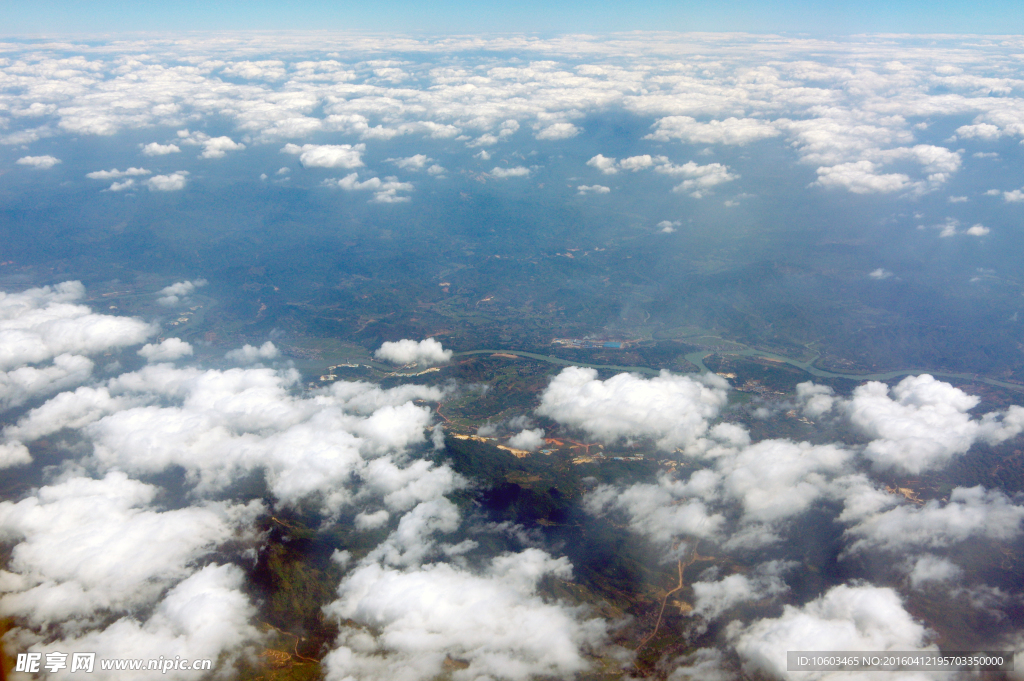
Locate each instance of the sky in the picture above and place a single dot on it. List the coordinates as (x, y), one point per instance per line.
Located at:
(533, 16)
(891, 150)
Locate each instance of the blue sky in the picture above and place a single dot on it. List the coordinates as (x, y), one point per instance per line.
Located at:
(469, 16)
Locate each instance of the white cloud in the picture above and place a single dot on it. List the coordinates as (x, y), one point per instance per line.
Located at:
(178, 292)
(774, 480)
(929, 569)
(207, 616)
(970, 512)
(604, 164)
(371, 521)
(516, 171)
(728, 131)
(557, 131)
(250, 354)
(669, 226)
(530, 440)
(701, 178)
(167, 350)
(495, 621)
(666, 512)
(671, 409)
(120, 186)
(327, 155)
(416, 162)
(85, 547)
(44, 325)
(330, 449)
(405, 351)
(977, 230)
(880, 273)
(116, 174)
(38, 162)
(584, 189)
(217, 147)
(268, 69)
(860, 178)
(385, 191)
(635, 163)
(815, 400)
(983, 131)
(704, 664)
(924, 424)
(157, 149)
(711, 599)
(14, 454)
(168, 183)
(67, 410)
(844, 618)
(18, 386)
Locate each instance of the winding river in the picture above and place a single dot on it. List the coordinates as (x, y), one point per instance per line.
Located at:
(697, 359)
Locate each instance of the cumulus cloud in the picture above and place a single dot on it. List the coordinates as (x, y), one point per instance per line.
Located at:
(217, 147)
(530, 440)
(120, 186)
(844, 618)
(711, 599)
(177, 293)
(774, 480)
(493, 621)
(20, 385)
(880, 273)
(116, 174)
(38, 162)
(517, 171)
(970, 512)
(250, 354)
(415, 162)
(700, 178)
(327, 155)
(603, 163)
(45, 325)
(371, 521)
(157, 149)
(929, 569)
(671, 409)
(205, 616)
(167, 350)
(385, 191)
(860, 177)
(14, 454)
(67, 410)
(924, 423)
(267, 69)
(815, 400)
(86, 547)
(665, 512)
(168, 183)
(330, 449)
(557, 131)
(728, 131)
(635, 163)
(584, 189)
(406, 351)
